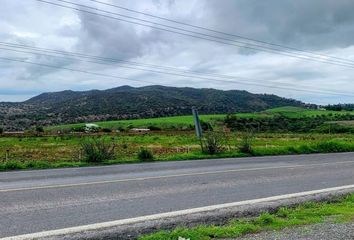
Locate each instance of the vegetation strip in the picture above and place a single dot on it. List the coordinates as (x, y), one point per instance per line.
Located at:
(303, 131)
(337, 210)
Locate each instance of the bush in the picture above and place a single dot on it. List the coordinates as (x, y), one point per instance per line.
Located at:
(282, 123)
(37, 164)
(121, 129)
(206, 126)
(1, 130)
(12, 165)
(106, 130)
(145, 155)
(39, 129)
(334, 128)
(97, 150)
(332, 146)
(246, 145)
(78, 129)
(154, 128)
(212, 143)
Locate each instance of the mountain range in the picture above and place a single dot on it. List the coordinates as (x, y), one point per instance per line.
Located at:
(128, 102)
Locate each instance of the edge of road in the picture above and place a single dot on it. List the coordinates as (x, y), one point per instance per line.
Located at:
(174, 161)
(216, 214)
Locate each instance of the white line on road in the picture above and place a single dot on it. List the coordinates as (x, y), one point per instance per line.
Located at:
(111, 224)
(171, 176)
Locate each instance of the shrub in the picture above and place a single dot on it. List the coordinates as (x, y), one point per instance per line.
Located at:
(121, 129)
(39, 129)
(246, 145)
(154, 128)
(78, 129)
(305, 149)
(332, 146)
(13, 165)
(1, 130)
(212, 143)
(97, 150)
(106, 130)
(145, 155)
(37, 164)
(206, 126)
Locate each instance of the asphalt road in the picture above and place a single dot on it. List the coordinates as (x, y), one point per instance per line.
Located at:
(34, 201)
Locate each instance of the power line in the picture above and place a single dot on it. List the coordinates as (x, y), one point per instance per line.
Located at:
(220, 32)
(206, 36)
(253, 46)
(74, 70)
(80, 55)
(130, 79)
(198, 75)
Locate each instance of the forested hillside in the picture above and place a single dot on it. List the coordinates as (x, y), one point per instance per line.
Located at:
(128, 103)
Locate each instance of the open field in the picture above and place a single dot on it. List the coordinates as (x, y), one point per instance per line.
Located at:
(186, 122)
(297, 112)
(178, 122)
(175, 139)
(59, 151)
(339, 211)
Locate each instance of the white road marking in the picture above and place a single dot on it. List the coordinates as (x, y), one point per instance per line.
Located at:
(105, 225)
(171, 176)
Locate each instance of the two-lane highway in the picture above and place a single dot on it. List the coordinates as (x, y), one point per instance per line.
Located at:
(35, 201)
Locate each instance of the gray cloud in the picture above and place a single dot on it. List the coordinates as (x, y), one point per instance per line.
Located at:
(316, 24)
(325, 26)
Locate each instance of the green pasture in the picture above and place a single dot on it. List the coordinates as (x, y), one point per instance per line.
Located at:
(186, 122)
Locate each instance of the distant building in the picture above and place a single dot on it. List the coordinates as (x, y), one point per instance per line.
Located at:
(14, 133)
(140, 130)
(90, 127)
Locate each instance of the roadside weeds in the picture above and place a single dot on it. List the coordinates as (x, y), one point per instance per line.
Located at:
(338, 210)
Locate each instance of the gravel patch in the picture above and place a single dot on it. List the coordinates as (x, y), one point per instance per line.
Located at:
(323, 231)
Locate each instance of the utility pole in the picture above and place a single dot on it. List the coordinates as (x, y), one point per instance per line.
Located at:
(198, 128)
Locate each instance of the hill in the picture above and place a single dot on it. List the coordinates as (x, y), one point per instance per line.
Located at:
(127, 102)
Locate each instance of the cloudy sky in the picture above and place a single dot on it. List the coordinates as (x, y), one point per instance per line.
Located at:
(321, 26)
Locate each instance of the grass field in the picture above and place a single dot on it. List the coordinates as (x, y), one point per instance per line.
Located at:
(342, 210)
(297, 112)
(54, 151)
(177, 122)
(185, 122)
(172, 143)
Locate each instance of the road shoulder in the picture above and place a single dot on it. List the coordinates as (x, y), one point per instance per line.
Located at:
(322, 231)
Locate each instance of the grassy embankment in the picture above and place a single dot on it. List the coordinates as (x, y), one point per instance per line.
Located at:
(64, 150)
(44, 152)
(341, 210)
